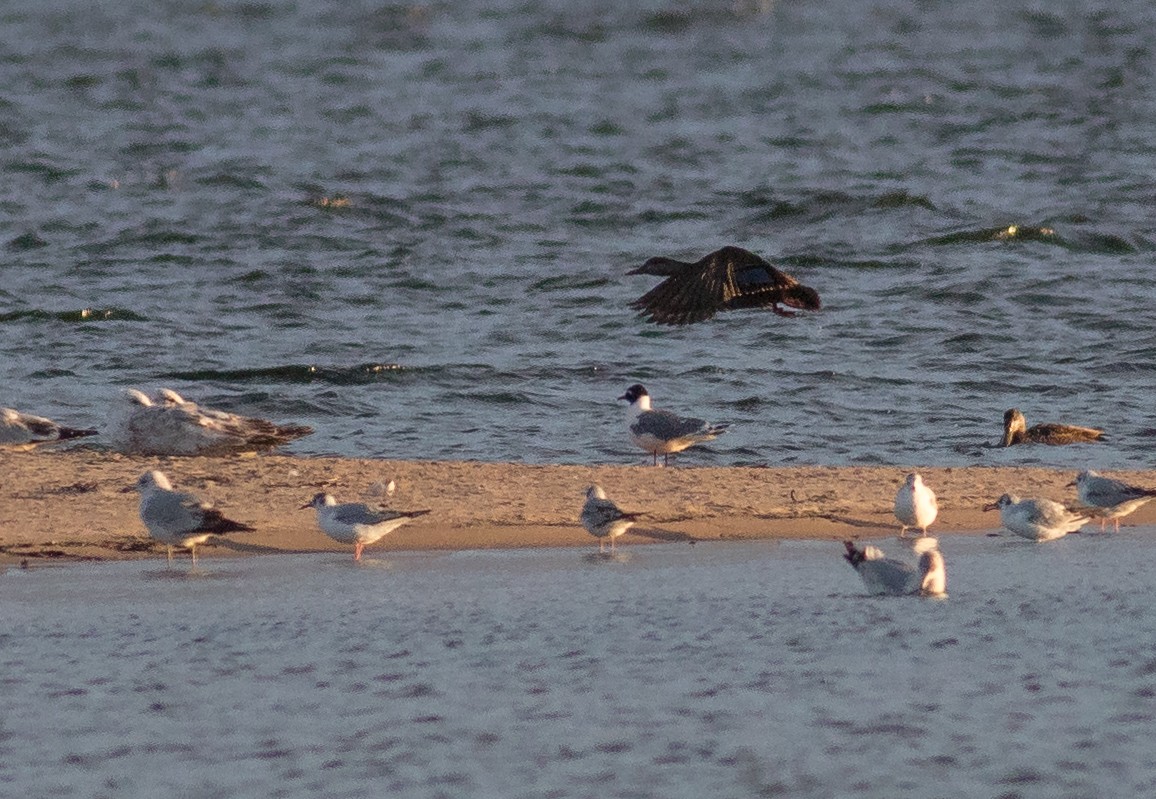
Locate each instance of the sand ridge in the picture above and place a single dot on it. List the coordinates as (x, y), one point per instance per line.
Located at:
(69, 504)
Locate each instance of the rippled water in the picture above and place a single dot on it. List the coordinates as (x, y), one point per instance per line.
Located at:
(726, 670)
(408, 225)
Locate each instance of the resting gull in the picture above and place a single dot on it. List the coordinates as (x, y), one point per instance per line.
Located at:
(356, 523)
(725, 280)
(178, 519)
(604, 519)
(883, 575)
(1115, 498)
(24, 428)
(1037, 519)
(662, 432)
(168, 424)
(915, 505)
(1016, 431)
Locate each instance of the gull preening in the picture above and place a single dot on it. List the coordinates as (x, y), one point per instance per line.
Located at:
(915, 505)
(1115, 499)
(178, 519)
(883, 575)
(725, 280)
(24, 428)
(168, 424)
(662, 432)
(1037, 519)
(1016, 431)
(603, 519)
(356, 523)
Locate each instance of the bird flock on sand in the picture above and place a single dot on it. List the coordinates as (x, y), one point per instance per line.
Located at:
(167, 424)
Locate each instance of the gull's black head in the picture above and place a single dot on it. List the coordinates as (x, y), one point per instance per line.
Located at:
(634, 392)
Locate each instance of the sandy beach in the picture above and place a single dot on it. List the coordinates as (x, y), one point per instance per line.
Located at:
(68, 505)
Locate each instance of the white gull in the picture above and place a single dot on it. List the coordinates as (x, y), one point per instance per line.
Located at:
(168, 424)
(357, 523)
(1114, 498)
(915, 505)
(883, 575)
(179, 519)
(662, 432)
(1037, 519)
(604, 519)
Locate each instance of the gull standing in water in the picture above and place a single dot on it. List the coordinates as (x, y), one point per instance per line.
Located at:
(356, 523)
(603, 519)
(178, 519)
(724, 280)
(168, 424)
(1037, 519)
(1115, 498)
(662, 432)
(883, 575)
(915, 505)
(24, 428)
(1016, 431)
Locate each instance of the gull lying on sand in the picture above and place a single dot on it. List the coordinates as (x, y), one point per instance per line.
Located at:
(724, 280)
(178, 519)
(603, 519)
(915, 505)
(662, 432)
(883, 575)
(24, 428)
(1016, 431)
(168, 424)
(1115, 498)
(1037, 519)
(356, 523)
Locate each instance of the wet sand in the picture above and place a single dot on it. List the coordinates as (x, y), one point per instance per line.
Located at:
(65, 505)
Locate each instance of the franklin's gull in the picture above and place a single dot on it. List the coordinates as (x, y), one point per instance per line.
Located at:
(883, 575)
(662, 432)
(178, 519)
(1115, 498)
(1037, 519)
(24, 428)
(604, 519)
(356, 523)
(915, 505)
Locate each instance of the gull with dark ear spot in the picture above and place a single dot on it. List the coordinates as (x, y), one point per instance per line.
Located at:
(178, 519)
(1016, 431)
(883, 575)
(356, 523)
(728, 279)
(662, 432)
(1037, 519)
(603, 519)
(168, 424)
(25, 429)
(1115, 499)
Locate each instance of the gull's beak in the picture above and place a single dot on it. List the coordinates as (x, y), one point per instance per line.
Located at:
(991, 506)
(127, 490)
(306, 506)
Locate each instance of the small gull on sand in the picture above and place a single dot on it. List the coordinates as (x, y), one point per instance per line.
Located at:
(24, 428)
(727, 279)
(168, 424)
(178, 519)
(1037, 519)
(1016, 431)
(604, 519)
(1114, 498)
(662, 432)
(356, 523)
(915, 505)
(883, 575)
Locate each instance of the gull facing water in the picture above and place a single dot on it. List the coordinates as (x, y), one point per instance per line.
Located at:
(1016, 431)
(724, 280)
(24, 428)
(915, 505)
(1037, 519)
(356, 523)
(603, 519)
(168, 424)
(178, 519)
(883, 575)
(1115, 498)
(662, 432)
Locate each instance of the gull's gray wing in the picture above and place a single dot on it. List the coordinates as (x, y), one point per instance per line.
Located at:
(667, 426)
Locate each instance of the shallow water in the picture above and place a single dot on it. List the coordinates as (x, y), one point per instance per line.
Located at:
(729, 670)
(175, 214)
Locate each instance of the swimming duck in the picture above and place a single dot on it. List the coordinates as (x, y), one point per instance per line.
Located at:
(725, 280)
(1016, 431)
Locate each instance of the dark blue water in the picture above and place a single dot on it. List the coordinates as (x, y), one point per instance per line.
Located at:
(409, 226)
